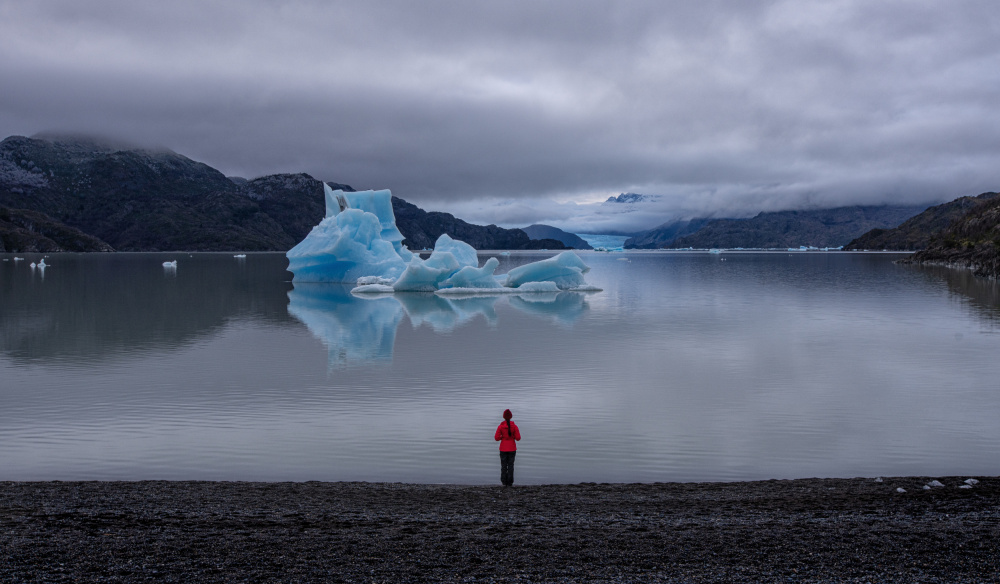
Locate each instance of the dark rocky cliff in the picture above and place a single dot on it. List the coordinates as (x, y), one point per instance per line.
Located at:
(916, 232)
(972, 241)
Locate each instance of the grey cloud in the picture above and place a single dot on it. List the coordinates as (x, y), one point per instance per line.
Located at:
(721, 107)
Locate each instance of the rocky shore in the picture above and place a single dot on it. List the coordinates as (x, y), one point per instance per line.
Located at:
(810, 530)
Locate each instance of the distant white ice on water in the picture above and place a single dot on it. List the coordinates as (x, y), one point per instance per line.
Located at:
(604, 242)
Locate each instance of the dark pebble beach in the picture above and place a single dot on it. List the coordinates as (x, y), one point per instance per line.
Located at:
(808, 530)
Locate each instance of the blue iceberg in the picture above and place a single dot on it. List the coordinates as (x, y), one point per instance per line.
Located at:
(357, 242)
(565, 270)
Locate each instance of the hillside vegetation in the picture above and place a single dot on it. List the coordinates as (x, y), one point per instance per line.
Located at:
(916, 232)
(972, 241)
(83, 194)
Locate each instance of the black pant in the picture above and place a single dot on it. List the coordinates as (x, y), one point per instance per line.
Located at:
(507, 468)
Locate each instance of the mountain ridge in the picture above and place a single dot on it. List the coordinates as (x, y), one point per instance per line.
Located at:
(136, 199)
(831, 227)
(539, 231)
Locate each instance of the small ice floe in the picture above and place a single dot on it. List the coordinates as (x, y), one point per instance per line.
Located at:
(715, 251)
(42, 264)
(32, 265)
(936, 484)
(372, 289)
(240, 256)
(6, 259)
(971, 482)
(170, 265)
(965, 486)
(900, 490)
(927, 487)
(367, 280)
(624, 260)
(505, 253)
(878, 479)
(17, 259)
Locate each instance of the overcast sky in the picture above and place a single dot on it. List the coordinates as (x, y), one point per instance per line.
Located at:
(521, 112)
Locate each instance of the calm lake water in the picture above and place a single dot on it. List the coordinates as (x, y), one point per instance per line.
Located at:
(688, 366)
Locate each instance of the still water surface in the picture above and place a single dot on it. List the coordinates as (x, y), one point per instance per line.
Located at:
(688, 366)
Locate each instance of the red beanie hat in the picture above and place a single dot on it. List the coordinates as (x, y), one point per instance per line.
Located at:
(507, 415)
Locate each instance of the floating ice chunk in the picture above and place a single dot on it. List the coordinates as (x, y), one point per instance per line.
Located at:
(538, 287)
(366, 280)
(372, 289)
(927, 487)
(715, 251)
(343, 248)
(6, 259)
(505, 253)
(17, 259)
(472, 291)
(965, 486)
(586, 288)
(32, 265)
(449, 256)
(565, 270)
(971, 482)
(42, 264)
(240, 256)
(936, 484)
(878, 479)
(470, 277)
(900, 490)
(171, 264)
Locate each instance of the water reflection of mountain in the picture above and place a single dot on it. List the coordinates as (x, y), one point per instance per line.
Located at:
(90, 307)
(983, 295)
(362, 329)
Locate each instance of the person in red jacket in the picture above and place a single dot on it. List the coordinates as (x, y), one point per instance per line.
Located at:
(507, 435)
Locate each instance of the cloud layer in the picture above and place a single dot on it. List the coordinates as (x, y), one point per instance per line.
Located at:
(521, 112)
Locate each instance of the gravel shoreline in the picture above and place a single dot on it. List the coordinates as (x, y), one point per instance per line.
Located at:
(807, 530)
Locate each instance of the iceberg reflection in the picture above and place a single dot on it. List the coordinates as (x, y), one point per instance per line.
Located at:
(354, 330)
(563, 307)
(361, 329)
(444, 314)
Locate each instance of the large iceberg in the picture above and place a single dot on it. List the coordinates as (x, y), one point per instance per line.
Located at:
(358, 238)
(358, 242)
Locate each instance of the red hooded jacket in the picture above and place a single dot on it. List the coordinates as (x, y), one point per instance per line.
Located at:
(507, 439)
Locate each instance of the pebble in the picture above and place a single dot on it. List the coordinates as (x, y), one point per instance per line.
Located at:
(809, 530)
